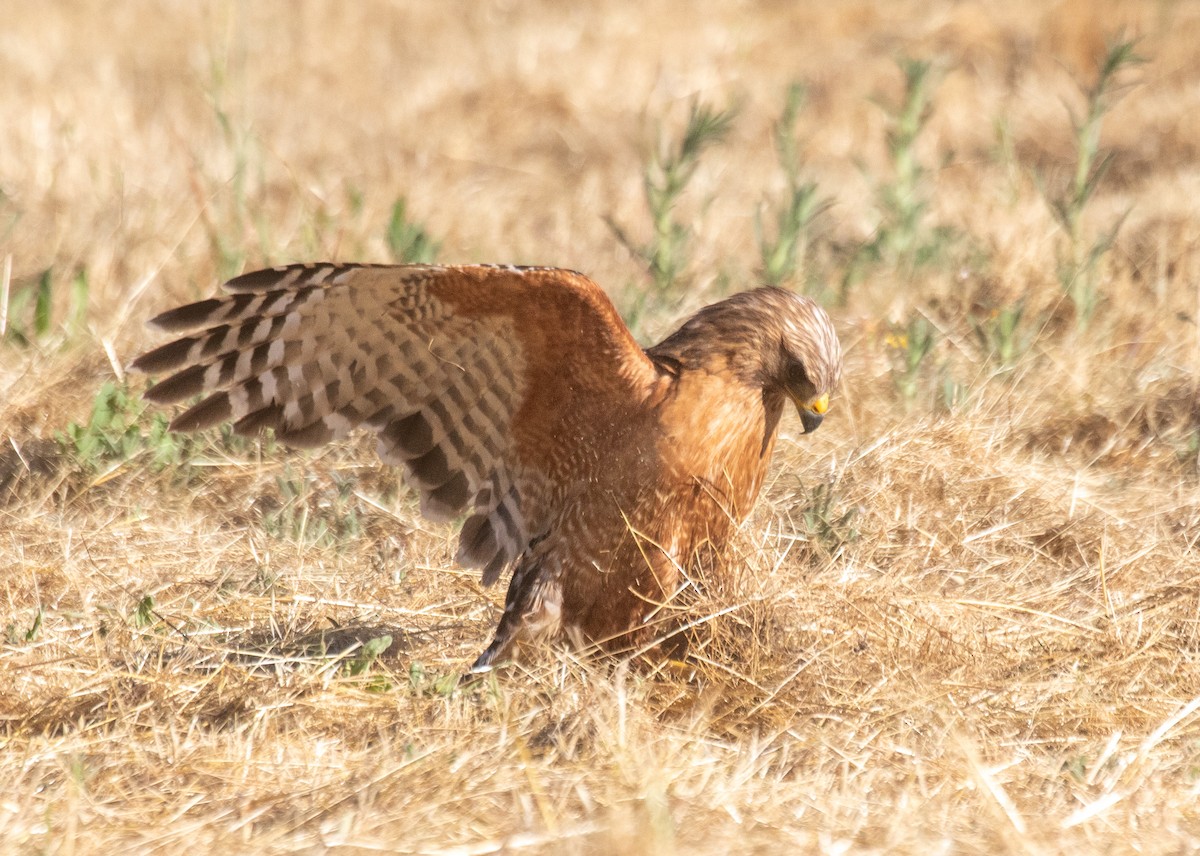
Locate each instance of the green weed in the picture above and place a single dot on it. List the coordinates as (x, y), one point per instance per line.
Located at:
(1188, 452)
(77, 315)
(422, 683)
(229, 252)
(113, 433)
(1000, 333)
(902, 236)
(825, 522)
(15, 636)
(953, 393)
(312, 515)
(407, 241)
(1078, 263)
(144, 614)
(913, 345)
(1005, 153)
(239, 216)
(666, 177)
(783, 255)
(367, 655)
(903, 200)
(27, 311)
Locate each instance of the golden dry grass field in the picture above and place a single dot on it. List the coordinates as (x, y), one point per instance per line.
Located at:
(966, 613)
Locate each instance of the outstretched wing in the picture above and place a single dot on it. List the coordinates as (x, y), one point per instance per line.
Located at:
(483, 382)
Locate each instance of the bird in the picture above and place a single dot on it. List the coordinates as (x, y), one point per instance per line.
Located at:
(596, 473)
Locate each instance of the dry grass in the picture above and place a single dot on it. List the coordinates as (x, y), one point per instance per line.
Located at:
(967, 613)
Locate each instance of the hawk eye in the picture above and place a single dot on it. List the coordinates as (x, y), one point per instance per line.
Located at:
(798, 383)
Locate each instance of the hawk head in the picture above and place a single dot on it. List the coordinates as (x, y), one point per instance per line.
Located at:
(771, 339)
(809, 363)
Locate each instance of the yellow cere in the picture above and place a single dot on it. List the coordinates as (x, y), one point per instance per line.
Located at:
(820, 405)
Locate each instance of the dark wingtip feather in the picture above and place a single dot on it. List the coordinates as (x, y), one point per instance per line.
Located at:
(411, 435)
(289, 276)
(187, 383)
(476, 542)
(259, 280)
(185, 317)
(211, 411)
(445, 502)
(163, 358)
(431, 470)
(270, 416)
(494, 568)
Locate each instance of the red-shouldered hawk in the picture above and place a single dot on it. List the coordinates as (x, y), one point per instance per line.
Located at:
(593, 469)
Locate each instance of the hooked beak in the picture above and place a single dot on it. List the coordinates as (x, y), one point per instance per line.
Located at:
(812, 413)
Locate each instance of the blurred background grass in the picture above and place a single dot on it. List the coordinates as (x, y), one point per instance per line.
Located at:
(965, 616)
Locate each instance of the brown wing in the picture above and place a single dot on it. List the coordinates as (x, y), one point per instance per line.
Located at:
(485, 383)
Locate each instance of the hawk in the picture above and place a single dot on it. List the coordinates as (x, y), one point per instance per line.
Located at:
(593, 470)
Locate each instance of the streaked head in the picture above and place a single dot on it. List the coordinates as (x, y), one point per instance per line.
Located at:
(769, 337)
(810, 366)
